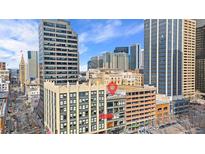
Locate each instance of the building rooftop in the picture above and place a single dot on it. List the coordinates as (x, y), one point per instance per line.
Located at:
(162, 99)
(136, 88)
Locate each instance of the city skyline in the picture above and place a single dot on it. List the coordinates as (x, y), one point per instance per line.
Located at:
(95, 37)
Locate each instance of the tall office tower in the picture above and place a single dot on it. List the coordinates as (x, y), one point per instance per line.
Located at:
(200, 22)
(2, 66)
(58, 54)
(95, 62)
(135, 56)
(169, 56)
(32, 65)
(121, 49)
(200, 56)
(75, 109)
(22, 73)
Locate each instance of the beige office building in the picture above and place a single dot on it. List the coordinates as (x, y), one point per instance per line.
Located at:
(189, 56)
(74, 109)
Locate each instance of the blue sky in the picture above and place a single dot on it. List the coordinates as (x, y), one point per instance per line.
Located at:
(95, 37)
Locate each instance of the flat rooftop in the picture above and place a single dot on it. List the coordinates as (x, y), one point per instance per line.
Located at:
(136, 88)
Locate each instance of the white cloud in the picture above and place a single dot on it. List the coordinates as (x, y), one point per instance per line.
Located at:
(83, 67)
(17, 35)
(110, 29)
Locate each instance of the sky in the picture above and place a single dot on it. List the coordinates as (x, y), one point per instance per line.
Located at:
(95, 37)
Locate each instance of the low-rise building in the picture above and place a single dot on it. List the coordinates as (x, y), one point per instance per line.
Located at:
(4, 85)
(74, 109)
(140, 106)
(116, 108)
(131, 78)
(162, 109)
(33, 92)
(2, 65)
(4, 74)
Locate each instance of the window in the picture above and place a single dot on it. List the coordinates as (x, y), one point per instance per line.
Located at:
(60, 26)
(61, 102)
(64, 102)
(64, 109)
(61, 117)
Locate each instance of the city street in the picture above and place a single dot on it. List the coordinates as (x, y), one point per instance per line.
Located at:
(21, 117)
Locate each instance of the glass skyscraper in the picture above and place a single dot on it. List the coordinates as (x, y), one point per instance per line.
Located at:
(169, 56)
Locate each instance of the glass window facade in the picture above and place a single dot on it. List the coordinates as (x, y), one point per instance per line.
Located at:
(163, 55)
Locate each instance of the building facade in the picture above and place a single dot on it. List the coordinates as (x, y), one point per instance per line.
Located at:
(118, 60)
(14, 76)
(130, 78)
(3, 110)
(162, 110)
(116, 107)
(169, 56)
(135, 57)
(58, 54)
(5, 74)
(4, 85)
(2, 66)
(32, 65)
(140, 107)
(74, 109)
(200, 75)
(200, 58)
(22, 73)
(95, 62)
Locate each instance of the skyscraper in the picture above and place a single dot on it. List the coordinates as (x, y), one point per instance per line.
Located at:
(32, 65)
(58, 54)
(200, 55)
(22, 73)
(135, 56)
(169, 56)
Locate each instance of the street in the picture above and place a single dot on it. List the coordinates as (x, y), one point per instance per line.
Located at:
(21, 117)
